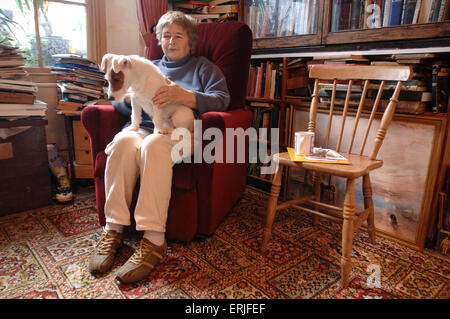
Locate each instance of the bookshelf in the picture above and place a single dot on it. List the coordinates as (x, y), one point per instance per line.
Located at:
(285, 24)
(386, 20)
(273, 85)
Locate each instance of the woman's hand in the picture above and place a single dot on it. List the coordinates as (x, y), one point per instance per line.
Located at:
(172, 93)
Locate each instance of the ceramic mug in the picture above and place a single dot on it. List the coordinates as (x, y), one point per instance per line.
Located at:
(304, 143)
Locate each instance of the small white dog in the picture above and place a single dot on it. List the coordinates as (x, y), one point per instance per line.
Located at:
(139, 78)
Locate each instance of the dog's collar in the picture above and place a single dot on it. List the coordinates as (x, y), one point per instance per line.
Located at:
(174, 64)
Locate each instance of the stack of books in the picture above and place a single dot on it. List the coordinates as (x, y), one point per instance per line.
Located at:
(265, 80)
(209, 10)
(11, 62)
(17, 95)
(79, 80)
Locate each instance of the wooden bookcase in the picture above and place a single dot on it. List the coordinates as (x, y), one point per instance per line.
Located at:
(373, 43)
(267, 15)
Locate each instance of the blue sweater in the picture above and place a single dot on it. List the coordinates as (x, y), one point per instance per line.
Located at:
(196, 74)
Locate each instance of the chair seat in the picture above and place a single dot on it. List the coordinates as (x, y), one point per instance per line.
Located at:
(360, 165)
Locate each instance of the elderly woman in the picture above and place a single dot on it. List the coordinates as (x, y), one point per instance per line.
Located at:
(195, 82)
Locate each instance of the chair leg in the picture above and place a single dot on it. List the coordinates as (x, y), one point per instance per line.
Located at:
(272, 207)
(368, 204)
(347, 232)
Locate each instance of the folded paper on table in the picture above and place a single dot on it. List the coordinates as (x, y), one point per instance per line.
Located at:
(331, 157)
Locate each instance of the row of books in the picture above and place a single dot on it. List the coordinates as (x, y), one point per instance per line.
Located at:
(17, 92)
(209, 10)
(367, 14)
(283, 18)
(79, 80)
(426, 92)
(265, 80)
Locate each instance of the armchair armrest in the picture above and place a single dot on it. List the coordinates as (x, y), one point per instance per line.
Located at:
(102, 122)
(238, 118)
(230, 119)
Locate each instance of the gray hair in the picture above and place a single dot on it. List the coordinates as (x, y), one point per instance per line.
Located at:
(185, 21)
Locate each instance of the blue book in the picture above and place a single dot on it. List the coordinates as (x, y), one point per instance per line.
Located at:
(395, 16)
(73, 65)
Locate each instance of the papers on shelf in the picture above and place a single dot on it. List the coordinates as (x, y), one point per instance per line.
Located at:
(320, 155)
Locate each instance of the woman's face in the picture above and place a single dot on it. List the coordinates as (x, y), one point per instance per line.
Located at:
(175, 42)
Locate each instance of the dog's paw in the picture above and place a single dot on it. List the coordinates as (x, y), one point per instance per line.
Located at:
(131, 128)
(161, 131)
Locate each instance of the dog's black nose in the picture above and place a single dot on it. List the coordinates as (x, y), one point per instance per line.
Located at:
(111, 98)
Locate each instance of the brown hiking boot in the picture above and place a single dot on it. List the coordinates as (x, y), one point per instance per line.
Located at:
(102, 259)
(144, 260)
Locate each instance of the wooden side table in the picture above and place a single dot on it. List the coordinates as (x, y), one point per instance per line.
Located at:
(80, 157)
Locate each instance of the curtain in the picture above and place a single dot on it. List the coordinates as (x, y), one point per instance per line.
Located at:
(148, 13)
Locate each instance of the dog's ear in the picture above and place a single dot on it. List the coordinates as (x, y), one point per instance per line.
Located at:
(105, 61)
(121, 62)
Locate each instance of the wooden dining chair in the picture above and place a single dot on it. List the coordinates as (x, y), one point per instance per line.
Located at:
(362, 161)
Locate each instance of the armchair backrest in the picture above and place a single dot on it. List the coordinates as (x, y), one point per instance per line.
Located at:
(229, 46)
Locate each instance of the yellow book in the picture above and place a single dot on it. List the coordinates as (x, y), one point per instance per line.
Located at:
(337, 159)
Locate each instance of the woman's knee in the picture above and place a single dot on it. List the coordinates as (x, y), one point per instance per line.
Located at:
(156, 144)
(125, 142)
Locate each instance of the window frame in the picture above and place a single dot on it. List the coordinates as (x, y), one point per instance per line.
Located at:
(95, 29)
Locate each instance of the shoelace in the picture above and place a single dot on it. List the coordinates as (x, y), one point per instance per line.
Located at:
(106, 243)
(140, 253)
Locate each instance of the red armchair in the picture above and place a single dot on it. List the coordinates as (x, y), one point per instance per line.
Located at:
(202, 194)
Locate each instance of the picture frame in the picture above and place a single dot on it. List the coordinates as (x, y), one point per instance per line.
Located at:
(409, 172)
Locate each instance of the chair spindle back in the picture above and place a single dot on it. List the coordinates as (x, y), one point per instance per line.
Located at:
(357, 76)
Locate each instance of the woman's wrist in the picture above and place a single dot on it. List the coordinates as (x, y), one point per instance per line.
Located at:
(190, 100)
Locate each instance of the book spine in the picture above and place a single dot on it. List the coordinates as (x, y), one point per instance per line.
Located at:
(344, 15)
(258, 82)
(335, 15)
(434, 14)
(16, 97)
(396, 12)
(355, 14)
(443, 11)
(403, 15)
(416, 11)
(386, 12)
(410, 8)
(424, 11)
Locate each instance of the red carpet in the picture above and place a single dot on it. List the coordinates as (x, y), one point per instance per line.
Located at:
(44, 253)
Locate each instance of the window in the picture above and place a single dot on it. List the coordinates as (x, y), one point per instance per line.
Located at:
(61, 28)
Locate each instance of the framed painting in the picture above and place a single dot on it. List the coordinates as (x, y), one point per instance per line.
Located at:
(402, 187)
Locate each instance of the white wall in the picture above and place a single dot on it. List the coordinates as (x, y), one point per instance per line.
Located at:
(122, 28)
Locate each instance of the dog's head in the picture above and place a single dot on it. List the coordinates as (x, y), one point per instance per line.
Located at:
(115, 68)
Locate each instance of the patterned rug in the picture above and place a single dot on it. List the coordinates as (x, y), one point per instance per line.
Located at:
(44, 253)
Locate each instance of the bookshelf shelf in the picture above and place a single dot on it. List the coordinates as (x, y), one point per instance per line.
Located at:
(260, 99)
